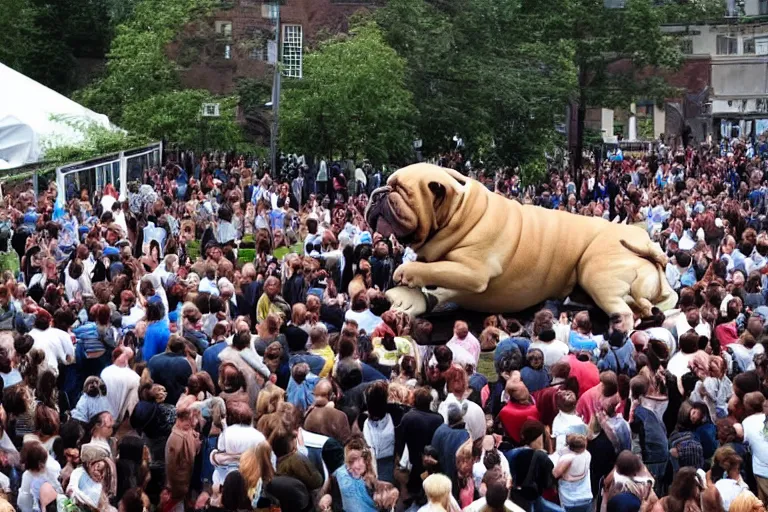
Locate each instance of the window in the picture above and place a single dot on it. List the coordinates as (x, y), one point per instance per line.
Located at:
(248, 3)
(292, 50)
(749, 46)
(686, 46)
(727, 45)
(763, 7)
(258, 40)
(222, 50)
(224, 29)
(269, 11)
(761, 46)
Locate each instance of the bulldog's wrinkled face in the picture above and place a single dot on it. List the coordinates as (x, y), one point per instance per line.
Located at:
(416, 202)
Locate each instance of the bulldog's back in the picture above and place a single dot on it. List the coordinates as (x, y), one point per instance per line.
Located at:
(523, 241)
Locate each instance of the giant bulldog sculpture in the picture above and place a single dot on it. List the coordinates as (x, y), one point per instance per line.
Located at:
(488, 253)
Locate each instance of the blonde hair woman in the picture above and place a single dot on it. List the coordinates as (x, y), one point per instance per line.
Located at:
(746, 502)
(267, 402)
(256, 469)
(355, 485)
(438, 491)
(464, 479)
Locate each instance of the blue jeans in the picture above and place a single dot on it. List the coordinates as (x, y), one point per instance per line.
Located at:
(542, 505)
(587, 507)
(658, 470)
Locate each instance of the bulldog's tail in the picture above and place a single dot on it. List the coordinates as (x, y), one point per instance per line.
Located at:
(650, 251)
(666, 297)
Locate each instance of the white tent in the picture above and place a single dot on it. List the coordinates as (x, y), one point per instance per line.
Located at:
(26, 124)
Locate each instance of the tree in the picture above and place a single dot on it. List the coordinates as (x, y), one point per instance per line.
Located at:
(620, 54)
(176, 116)
(45, 38)
(17, 28)
(500, 73)
(351, 101)
(137, 66)
(141, 89)
(477, 71)
(254, 93)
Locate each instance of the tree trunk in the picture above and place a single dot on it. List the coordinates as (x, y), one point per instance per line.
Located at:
(578, 150)
(581, 114)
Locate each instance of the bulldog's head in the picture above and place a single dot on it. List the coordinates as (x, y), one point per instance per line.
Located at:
(417, 201)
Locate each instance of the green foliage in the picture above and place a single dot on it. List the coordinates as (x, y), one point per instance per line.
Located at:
(477, 69)
(120, 10)
(645, 128)
(96, 141)
(254, 93)
(176, 116)
(351, 102)
(17, 28)
(691, 12)
(44, 38)
(620, 54)
(138, 67)
(141, 88)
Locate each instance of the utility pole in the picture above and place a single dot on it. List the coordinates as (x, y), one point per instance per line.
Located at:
(276, 82)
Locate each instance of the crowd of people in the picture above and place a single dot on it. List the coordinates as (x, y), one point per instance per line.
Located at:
(220, 339)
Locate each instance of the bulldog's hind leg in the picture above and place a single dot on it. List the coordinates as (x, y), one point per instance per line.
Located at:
(610, 290)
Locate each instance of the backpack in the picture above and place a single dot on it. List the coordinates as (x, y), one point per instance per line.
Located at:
(690, 452)
(735, 368)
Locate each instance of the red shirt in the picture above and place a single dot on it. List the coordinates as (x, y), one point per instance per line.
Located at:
(585, 372)
(589, 404)
(545, 403)
(512, 417)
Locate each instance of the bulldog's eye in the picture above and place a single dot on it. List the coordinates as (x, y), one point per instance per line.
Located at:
(437, 189)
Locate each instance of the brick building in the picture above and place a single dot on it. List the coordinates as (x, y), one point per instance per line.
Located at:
(237, 42)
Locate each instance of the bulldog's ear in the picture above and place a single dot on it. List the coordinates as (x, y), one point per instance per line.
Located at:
(438, 191)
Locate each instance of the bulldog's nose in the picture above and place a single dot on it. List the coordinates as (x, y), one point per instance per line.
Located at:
(380, 192)
(376, 197)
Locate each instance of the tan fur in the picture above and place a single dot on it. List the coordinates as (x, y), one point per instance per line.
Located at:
(488, 253)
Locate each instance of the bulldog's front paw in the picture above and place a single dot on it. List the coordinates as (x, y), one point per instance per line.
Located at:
(406, 275)
(408, 300)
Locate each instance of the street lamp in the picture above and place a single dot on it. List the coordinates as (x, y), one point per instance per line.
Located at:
(276, 82)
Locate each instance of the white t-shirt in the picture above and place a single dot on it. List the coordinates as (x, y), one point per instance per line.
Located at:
(578, 490)
(50, 342)
(366, 320)
(660, 333)
(758, 443)
(479, 469)
(122, 389)
(729, 489)
(474, 419)
(678, 364)
(479, 506)
(745, 357)
(66, 344)
(553, 351)
(233, 440)
(561, 427)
